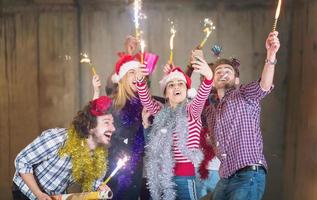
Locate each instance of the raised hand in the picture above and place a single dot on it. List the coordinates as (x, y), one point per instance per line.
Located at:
(96, 81)
(141, 72)
(167, 68)
(96, 85)
(272, 45)
(131, 44)
(202, 67)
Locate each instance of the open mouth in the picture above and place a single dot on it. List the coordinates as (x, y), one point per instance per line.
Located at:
(108, 135)
(177, 93)
(224, 77)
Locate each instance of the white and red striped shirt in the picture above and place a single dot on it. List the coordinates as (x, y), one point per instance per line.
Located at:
(183, 166)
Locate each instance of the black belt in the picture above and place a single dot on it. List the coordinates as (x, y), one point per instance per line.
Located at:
(251, 168)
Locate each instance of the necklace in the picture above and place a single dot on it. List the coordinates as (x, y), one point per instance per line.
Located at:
(87, 166)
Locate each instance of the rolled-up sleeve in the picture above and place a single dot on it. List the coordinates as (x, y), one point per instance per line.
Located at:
(253, 91)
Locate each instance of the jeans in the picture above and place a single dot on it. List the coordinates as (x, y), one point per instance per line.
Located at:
(185, 187)
(243, 185)
(17, 194)
(207, 185)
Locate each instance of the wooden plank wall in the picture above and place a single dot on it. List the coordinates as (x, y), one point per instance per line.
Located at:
(19, 91)
(38, 85)
(300, 175)
(42, 83)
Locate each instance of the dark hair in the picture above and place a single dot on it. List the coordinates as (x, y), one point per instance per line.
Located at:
(84, 121)
(189, 69)
(230, 62)
(111, 88)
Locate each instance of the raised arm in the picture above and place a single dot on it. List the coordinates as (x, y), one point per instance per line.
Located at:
(272, 45)
(197, 105)
(146, 98)
(147, 101)
(96, 84)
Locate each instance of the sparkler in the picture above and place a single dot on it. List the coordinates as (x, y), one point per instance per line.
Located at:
(137, 6)
(142, 44)
(209, 27)
(173, 31)
(120, 164)
(277, 14)
(86, 59)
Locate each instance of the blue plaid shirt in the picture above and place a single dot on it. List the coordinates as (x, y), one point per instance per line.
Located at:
(52, 172)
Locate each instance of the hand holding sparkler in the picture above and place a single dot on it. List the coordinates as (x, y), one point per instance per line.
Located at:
(272, 45)
(96, 85)
(86, 59)
(277, 14)
(209, 27)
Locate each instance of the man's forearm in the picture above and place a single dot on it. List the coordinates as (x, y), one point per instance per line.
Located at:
(268, 73)
(31, 183)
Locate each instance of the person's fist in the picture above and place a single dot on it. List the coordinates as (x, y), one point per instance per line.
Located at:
(272, 43)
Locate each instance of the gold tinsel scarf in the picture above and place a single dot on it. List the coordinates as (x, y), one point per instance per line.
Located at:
(86, 168)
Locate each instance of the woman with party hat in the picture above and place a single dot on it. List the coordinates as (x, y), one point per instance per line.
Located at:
(129, 138)
(173, 149)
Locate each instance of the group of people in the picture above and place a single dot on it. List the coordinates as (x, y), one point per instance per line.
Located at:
(170, 140)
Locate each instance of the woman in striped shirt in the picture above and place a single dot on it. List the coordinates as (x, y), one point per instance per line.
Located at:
(173, 148)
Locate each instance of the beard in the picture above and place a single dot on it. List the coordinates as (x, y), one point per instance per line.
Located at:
(228, 85)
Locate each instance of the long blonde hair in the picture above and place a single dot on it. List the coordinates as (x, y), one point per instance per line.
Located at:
(123, 94)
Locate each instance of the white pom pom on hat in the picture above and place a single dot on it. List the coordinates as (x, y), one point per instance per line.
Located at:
(191, 93)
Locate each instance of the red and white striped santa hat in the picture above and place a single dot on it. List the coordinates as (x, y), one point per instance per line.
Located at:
(123, 65)
(178, 73)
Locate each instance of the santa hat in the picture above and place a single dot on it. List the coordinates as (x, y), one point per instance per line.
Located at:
(178, 73)
(123, 65)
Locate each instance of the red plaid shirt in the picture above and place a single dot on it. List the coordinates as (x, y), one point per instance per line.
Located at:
(235, 122)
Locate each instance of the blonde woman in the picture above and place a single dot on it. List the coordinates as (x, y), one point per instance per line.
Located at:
(128, 139)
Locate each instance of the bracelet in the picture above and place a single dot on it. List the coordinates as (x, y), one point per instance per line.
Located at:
(267, 61)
